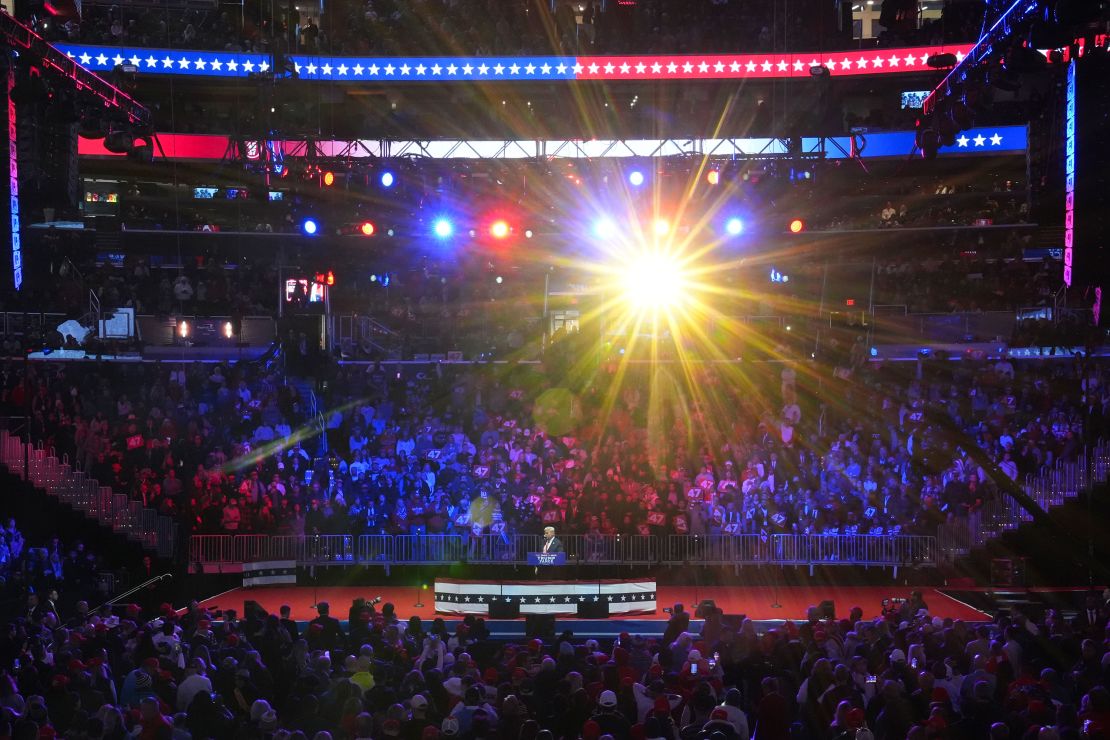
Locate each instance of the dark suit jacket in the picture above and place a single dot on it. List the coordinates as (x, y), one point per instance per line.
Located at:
(555, 546)
(330, 637)
(291, 627)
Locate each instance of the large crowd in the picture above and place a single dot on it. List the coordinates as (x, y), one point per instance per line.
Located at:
(479, 27)
(787, 448)
(907, 674)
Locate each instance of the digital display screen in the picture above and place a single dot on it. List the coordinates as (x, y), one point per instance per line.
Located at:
(914, 98)
(314, 290)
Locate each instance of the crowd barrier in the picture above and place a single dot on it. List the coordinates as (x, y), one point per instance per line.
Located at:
(894, 551)
(73, 487)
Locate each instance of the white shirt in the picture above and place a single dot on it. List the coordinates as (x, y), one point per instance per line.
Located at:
(189, 688)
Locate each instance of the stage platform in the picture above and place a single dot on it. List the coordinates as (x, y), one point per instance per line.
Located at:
(757, 602)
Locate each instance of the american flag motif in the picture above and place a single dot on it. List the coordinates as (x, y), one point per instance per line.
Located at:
(545, 597)
(510, 69)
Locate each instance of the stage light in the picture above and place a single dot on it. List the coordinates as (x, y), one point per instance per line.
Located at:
(373, 278)
(443, 228)
(713, 177)
(387, 179)
(499, 279)
(528, 234)
(606, 228)
(330, 279)
(636, 178)
(309, 226)
(229, 331)
(661, 227)
(652, 282)
(367, 228)
(797, 226)
(499, 229)
(734, 226)
(183, 329)
(329, 179)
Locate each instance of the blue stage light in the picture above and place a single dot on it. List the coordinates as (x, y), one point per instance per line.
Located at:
(734, 226)
(636, 178)
(309, 226)
(387, 179)
(443, 228)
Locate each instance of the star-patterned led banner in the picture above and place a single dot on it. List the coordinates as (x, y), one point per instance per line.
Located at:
(269, 573)
(985, 141)
(545, 597)
(501, 69)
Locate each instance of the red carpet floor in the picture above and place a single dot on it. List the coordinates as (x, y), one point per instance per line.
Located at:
(754, 601)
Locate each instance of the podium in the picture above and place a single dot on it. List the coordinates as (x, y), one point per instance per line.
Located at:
(547, 559)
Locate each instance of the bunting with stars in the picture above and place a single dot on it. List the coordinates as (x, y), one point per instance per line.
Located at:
(545, 597)
(510, 69)
(270, 573)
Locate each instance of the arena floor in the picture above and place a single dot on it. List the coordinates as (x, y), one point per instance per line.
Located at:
(757, 602)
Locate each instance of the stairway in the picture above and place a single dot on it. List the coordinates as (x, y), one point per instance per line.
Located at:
(80, 492)
(1003, 528)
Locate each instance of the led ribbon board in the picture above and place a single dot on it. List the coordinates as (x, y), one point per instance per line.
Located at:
(13, 182)
(511, 69)
(997, 140)
(1069, 174)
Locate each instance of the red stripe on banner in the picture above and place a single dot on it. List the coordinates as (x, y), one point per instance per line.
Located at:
(176, 146)
(760, 66)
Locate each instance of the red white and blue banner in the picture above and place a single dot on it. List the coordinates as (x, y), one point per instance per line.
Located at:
(545, 597)
(270, 573)
(987, 140)
(512, 69)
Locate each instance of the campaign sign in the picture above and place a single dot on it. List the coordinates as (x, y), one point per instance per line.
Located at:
(547, 558)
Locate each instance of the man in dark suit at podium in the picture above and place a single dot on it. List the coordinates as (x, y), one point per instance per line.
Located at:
(551, 543)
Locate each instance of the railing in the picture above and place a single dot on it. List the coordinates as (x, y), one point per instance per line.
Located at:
(1051, 488)
(82, 493)
(582, 550)
(1048, 489)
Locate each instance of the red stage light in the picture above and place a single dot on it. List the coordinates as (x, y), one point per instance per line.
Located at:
(330, 280)
(367, 228)
(797, 226)
(329, 179)
(713, 177)
(499, 229)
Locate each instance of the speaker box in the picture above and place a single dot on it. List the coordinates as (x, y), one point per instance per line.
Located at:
(593, 610)
(504, 610)
(540, 625)
(704, 607)
(826, 610)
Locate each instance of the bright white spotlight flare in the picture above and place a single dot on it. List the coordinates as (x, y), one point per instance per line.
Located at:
(653, 282)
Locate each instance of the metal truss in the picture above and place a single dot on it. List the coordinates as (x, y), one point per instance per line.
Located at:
(22, 38)
(992, 44)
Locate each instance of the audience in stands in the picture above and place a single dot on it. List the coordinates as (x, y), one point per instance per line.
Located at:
(906, 674)
(483, 28)
(230, 449)
(41, 571)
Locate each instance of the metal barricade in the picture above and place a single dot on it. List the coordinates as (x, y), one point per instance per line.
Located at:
(211, 548)
(375, 548)
(322, 548)
(641, 549)
(428, 548)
